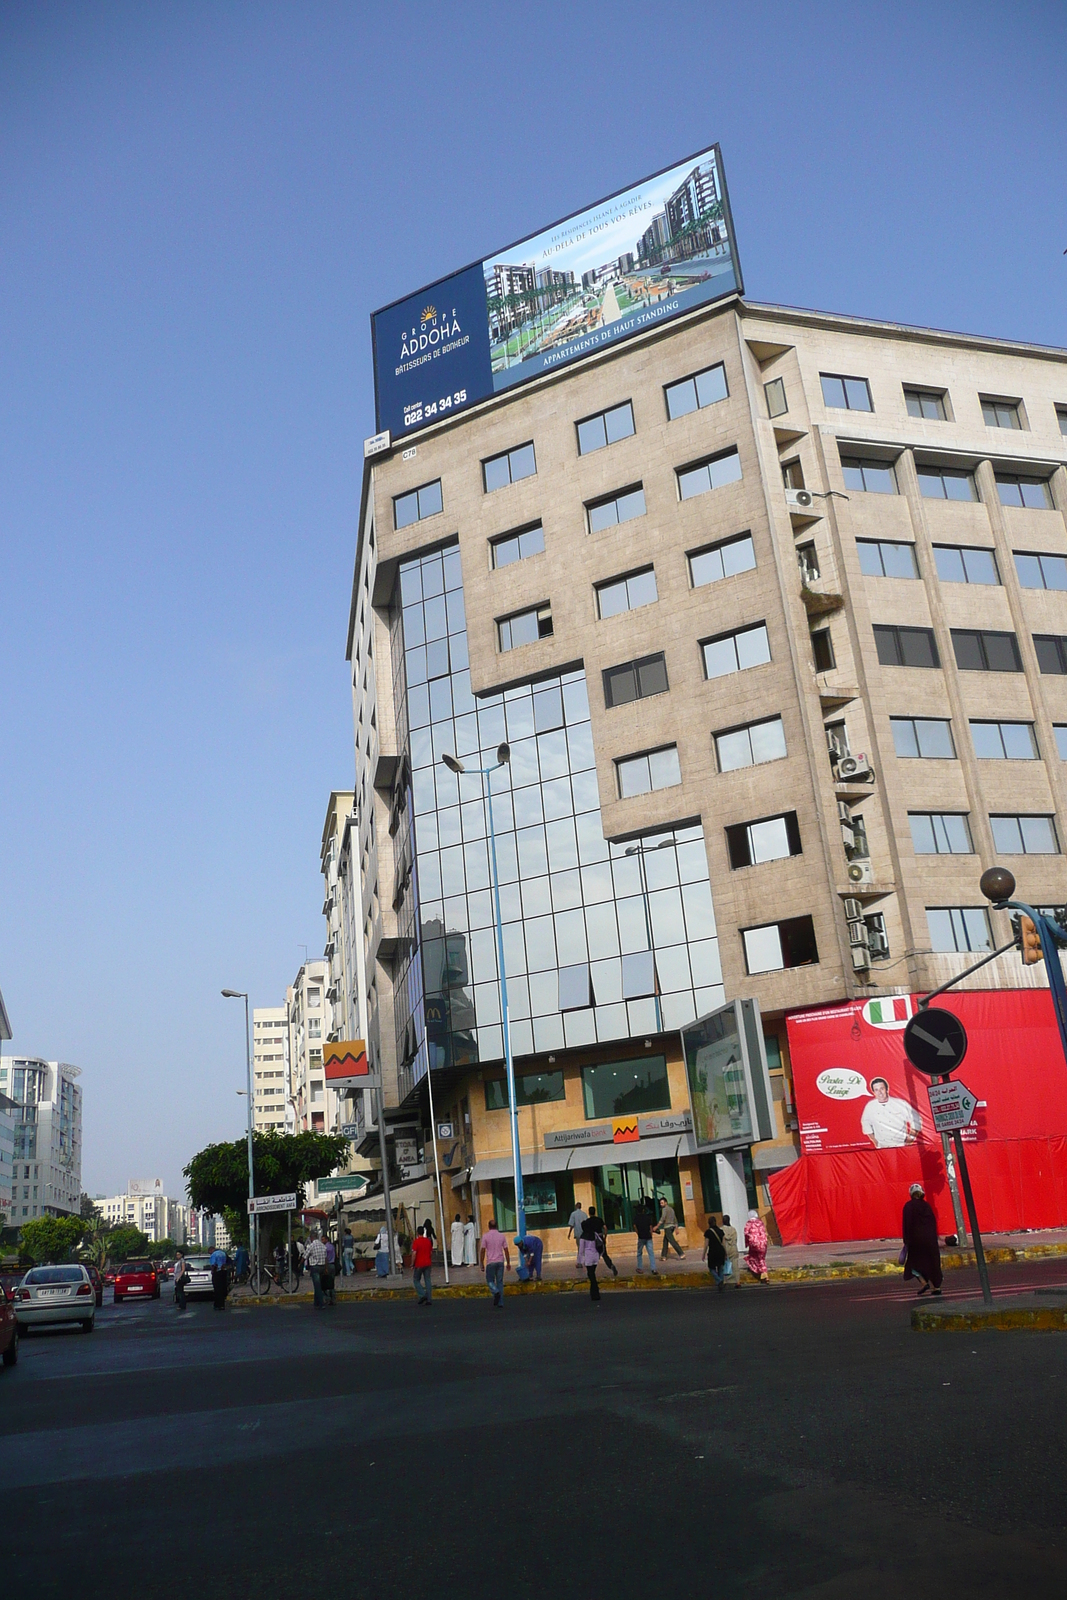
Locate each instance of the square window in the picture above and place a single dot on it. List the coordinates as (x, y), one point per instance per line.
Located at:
(848, 394)
(639, 975)
(926, 403)
(575, 988)
(999, 413)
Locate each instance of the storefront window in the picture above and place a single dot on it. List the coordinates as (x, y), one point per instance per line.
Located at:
(620, 1189)
(531, 1089)
(709, 1181)
(549, 1200)
(620, 1088)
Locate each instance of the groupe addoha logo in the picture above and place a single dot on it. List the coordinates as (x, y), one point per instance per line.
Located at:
(432, 330)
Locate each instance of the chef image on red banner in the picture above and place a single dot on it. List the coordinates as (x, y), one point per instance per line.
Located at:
(888, 1121)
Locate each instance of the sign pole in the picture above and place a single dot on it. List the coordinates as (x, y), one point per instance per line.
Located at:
(289, 1246)
(953, 1188)
(979, 1253)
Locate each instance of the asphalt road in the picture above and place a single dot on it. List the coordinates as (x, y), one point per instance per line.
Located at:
(782, 1441)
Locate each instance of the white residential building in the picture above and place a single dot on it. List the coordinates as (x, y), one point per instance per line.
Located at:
(270, 1067)
(47, 1155)
(7, 1153)
(310, 1016)
(157, 1216)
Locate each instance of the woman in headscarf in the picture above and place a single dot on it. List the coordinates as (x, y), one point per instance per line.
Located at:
(756, 1247)
(922, 1248)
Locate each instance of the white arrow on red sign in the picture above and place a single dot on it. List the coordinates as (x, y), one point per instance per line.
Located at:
(952, 1105)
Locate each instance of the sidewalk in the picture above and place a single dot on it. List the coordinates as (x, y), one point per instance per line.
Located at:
(808, 1263)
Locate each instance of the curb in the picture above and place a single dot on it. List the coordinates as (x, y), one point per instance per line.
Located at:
(1037, 1318)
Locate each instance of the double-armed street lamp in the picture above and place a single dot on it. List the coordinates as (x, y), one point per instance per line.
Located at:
(503, 759)
(238, 994)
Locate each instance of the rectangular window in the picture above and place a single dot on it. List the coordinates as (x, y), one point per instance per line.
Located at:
(981, 650)
(626, 1088)
(607, 427)
(808, 562)
(945, 483)
(777, 405)
(525, 627)
(906, 647)
(656, 769)
(769, 839)
(713, 473)
(845, 394)
(1061, 418)
(940, 833)
(548, 1197)
(1034, 493)
(1041, 571)
(1051, 653)
(417, 504)
(1060, 730)
(1000, 413)
(793, 475)
(1024, 836)
(517, 546)
(509, 467)
(750, 745)
(626, 594)
(965, 564)
(575, 988)
(778, 945)
(635, 680)
(692, 394)
(958, 928)
(722, 560)
(882, 558)
(925, 738)
(620, 507)
(869, 476)
(733, 652)
(822, 649)
(926, 403)
(1004, 741)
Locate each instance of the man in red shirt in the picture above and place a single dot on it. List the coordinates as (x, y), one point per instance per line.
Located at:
(422, 1256)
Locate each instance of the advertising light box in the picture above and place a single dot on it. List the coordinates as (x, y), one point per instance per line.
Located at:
(729, 1084)
(624, 265)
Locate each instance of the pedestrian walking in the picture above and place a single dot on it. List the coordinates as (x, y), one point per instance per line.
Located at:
(733, 1260)
(922, 1249)
(493, 1256)
(421, 1263)
(667, 1224)
(531, 1248)
(296, 1261)
(181, 1272)
(315, 1256)
(240, 1264)
(575, 1223)
(714, 1253)
(456, 1241)
(220, 1278)
(756, 1247)
(381, 1252)
(329, 1272)
(470, 1244)
(430, 1232)
(348, 1253)
(589, 1255)
(600, 1230)
(643, 1223)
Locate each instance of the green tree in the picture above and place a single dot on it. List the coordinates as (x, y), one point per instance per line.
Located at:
(124, 1242)
(51, 1238)
(283, 1163)
(88, 1208)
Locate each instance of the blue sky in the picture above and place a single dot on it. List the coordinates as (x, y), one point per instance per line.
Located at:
(201, 205)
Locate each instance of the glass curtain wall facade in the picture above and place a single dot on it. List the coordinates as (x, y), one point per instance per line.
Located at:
(596, 941)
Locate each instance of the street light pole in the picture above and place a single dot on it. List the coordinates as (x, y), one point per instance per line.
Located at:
(640, 852)
(238, 994)
(503, 759)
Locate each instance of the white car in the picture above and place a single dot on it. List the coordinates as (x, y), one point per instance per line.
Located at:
(55, 1294)
(198, 1280)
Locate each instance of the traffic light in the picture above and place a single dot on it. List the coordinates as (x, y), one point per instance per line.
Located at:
(1029, 941)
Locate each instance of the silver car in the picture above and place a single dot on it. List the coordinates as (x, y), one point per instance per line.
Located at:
(198, 1280)
(55, 1294)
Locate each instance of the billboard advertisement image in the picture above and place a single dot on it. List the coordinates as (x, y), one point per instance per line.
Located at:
(867, 1132)
(639, 257)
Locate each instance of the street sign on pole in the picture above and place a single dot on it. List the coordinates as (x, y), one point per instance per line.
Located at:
(350, 1130)
(935, 1041)
(271, 1202)
(952, 1105)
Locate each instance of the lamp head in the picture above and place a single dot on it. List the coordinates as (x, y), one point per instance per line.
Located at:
(503, 754)
(233, 994)
(452, 764)
(997, 884)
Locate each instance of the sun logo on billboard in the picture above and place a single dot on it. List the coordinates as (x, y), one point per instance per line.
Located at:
(428, 313)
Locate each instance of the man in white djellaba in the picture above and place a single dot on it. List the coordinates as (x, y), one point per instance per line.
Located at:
(888, 1121)
(457, 1242)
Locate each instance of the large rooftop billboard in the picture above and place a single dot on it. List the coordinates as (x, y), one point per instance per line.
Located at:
(624, 265)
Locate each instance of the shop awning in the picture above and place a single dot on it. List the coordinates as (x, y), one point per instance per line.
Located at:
(574, 1157)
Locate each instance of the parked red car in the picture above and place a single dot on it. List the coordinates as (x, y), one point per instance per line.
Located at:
(97, 1282)
(136, 1280)
(9, 1328)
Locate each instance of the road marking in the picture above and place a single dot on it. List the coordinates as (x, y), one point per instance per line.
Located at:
(696, 1394)
(959, 1294)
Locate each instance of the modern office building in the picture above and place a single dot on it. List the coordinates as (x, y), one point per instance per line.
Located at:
(270, 1067)
(46, 1177)
(772, 618)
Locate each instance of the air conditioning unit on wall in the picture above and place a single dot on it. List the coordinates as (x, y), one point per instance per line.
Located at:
(861, 873)
(854, 769)
(861, 958)
(800, 499)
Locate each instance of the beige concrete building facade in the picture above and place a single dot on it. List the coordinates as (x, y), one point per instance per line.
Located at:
(270, 1068)
(799, 582)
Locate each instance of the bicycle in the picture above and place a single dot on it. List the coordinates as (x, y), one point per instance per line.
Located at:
(266, 1273)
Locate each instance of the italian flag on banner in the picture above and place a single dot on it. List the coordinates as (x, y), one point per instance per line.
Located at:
(895, 1009)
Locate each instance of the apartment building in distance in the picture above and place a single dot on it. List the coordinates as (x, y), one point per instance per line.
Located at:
(145, 1206)
(47, 1155)
(270, 1068)
(309, 1015)
(769, 609)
